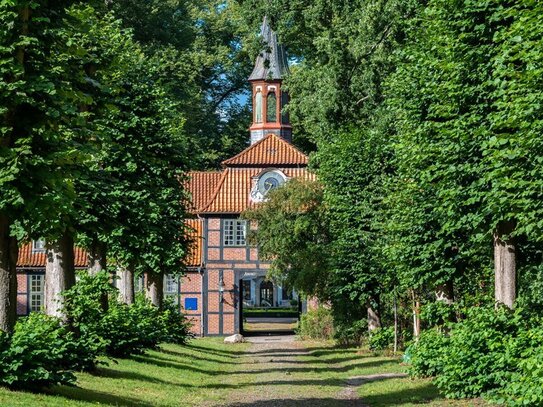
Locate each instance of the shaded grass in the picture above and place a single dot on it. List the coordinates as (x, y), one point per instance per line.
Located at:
(174, 376)
(208, 372)
(407, 392)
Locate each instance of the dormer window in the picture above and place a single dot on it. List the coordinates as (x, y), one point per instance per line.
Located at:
(271, 102)
(38, 246)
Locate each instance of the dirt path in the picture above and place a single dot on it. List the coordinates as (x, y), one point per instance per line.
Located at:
(279, 373)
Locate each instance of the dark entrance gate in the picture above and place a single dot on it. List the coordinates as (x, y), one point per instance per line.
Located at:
(266, 320)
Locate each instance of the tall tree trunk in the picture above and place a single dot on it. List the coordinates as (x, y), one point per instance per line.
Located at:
(374, 316)
(8, 275)
(126, 284)
(154, 288)
(395, 324)
(59, 273)
(97, 263)
(416, 316)
(97, 257)
(505, 291)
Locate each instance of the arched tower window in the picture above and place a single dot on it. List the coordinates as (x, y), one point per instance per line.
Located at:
(271, 114)
(258, 107)
(284, 101)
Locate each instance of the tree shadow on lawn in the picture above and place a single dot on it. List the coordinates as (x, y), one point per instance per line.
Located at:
(419, 395)
(222, 353)
(167, 363)
(307, 402)
(325, 369)
(197, 357)
(92, 396)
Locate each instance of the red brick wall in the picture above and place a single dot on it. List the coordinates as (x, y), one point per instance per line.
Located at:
(22, 295)
(191, 286)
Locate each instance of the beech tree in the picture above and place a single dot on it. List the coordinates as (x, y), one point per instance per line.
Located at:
(38, 152)
(293, 233)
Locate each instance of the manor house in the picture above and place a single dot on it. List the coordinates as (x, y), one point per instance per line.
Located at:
(225, 273)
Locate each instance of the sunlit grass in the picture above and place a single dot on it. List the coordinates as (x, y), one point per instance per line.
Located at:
(172, 376)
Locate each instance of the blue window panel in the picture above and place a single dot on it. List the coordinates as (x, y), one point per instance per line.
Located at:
(191, 304)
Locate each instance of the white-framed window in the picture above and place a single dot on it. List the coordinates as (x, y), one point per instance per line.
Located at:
(35, 292)
(38, 246)
(171, 287)
(234, 232)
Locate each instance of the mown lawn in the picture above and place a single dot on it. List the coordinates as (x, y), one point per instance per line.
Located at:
(173, 376)
(210, 373)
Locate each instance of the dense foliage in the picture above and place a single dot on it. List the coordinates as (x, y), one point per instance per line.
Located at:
(43, 351)
(317, 324)
(426, 116)
(122, 329)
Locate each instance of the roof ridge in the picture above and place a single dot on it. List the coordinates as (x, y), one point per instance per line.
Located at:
(271, 137)
(215, 192)
(251, 147)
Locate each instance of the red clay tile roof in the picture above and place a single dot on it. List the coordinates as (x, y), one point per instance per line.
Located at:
(271, 151)
(29, 259)
(201, 186)
(232, 195)
(194, 258)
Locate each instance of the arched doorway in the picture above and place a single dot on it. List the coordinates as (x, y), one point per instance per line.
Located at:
(266, 293)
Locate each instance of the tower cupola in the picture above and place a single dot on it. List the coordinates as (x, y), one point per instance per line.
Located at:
(269, 99)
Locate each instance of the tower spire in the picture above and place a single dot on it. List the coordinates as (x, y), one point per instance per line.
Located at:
(269, 99)
(271, 63)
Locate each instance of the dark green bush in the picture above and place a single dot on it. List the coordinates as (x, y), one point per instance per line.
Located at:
(479, 356)
(176, 326)
(426, 356)
(437, 313)
(40, 352)
(381, 338)
(351, 333)
(525, 386)
(317, 324)
(121, 330)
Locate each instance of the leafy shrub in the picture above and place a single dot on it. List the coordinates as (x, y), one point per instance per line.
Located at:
(426, 356)
(176, 326)
(479, 356)
(40, 352)
(317, 324)
(381, 338)
(525, 386)
(120, 330)
(351, 333)
(437, 313)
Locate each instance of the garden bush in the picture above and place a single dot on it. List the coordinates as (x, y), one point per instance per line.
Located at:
(381, 338)
(525, 386)
(426, 356)
(121, 330)
(317, 324)
(481, 353)
(351, 333)
(40, 352)
(176, 326)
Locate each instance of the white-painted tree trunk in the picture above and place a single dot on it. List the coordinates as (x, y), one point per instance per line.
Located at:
(505, 273)
(416, 316)
(125, 283)
(374, 319)
(154, 288)
(8, 276)
(59, 274)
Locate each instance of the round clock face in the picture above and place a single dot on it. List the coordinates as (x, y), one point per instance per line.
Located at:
(269, 180)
